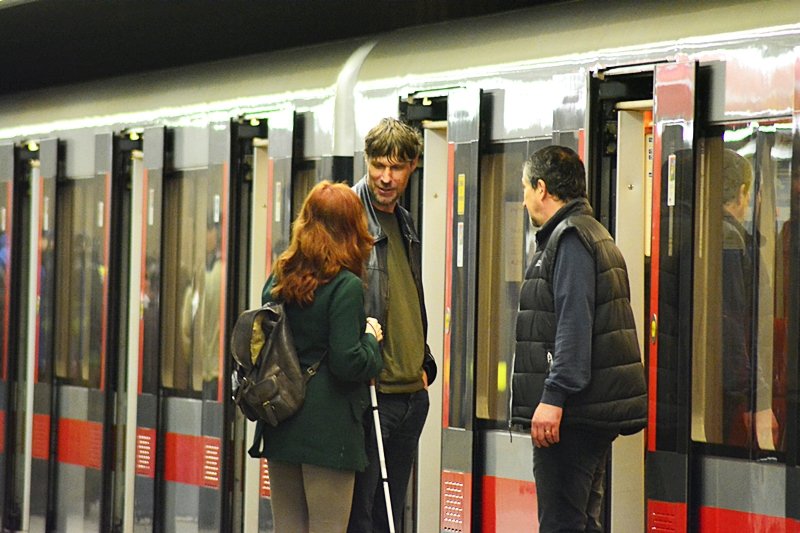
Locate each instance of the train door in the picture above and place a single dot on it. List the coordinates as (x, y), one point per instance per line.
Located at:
(720, 359)
(119, 464)
(457, 361)
(744, 335)
(620, 169)
(180, 439)
(144, 329)
(28, 370)
(740, 368)
(503, 457)
(622, 148)
(6, 316)
(268, 153)
(719, 302)
(86, 336)
(486, 481)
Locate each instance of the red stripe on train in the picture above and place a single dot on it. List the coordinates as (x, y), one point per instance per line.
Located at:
(509, 505)
(80, 442)
(715, 520)
(40, 440)
(192, 459)
(666, 517)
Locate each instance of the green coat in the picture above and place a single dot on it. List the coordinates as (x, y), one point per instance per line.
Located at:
(328, 430)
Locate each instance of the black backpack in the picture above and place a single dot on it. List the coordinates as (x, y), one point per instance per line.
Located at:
(268, 383)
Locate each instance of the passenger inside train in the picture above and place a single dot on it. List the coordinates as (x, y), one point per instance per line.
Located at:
(747, 405)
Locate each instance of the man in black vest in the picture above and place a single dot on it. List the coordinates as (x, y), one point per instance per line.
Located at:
(394, 296)
(578, 377)
(746, 391)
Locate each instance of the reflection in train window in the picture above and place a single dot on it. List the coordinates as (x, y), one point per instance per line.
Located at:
(6, 194)
(81, 273)
(192, 283)
(739, 368)
(505, 237)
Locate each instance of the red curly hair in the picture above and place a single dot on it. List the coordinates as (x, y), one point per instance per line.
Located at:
(329, 234)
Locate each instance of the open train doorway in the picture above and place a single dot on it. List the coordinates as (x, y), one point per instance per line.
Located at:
(263, 156)
(29, 361)
(426, 200)
(632, 234)
(434, 208)
(621, 173)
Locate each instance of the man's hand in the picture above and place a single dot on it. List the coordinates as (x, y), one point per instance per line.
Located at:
(545, 425)
(374, 328)
(424, 380)
(767, 429)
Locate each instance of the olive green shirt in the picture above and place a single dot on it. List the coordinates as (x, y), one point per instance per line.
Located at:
(403, 341)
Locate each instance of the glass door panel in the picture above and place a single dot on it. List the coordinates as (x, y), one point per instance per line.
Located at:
(192, 344)
(29, 472)
(147, 217)
(457, 364)
(506, 243)
(81, 329)
(740, 390)
(82, 270)
(6, 316)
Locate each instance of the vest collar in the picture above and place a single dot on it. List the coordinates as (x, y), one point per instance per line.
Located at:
(578, 206)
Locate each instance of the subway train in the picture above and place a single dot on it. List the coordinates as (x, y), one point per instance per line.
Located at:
(140, 215)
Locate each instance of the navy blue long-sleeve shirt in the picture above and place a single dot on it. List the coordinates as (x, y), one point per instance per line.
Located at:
(574, 293)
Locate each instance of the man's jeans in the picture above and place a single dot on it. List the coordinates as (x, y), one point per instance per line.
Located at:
(570, 479)
(402, 418)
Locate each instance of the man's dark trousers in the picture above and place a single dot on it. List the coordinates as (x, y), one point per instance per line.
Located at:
(570, 478)
(402, 418)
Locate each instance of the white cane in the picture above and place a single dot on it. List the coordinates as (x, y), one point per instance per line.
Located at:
(379, 437)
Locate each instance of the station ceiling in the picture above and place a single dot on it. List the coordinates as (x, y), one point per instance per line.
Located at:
(47, 43)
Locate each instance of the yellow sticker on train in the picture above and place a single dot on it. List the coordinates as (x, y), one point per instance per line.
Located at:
(462, 187)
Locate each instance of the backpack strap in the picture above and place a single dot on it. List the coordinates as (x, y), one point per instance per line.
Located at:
(256, 451)
(312, 370)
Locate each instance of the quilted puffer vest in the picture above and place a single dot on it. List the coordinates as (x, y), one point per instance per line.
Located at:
(616, 397)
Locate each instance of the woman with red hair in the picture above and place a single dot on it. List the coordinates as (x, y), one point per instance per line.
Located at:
(314, 455)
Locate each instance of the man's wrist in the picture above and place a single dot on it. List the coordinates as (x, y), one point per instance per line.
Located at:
(553, 396)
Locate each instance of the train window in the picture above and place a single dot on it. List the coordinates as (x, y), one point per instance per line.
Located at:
(740, 360)
(6, 196)
(151, 282)
(506, 239)
(192, 282)
(81, 272)
(306, 175)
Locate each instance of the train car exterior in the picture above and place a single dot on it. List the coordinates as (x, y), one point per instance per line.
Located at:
(145, 214)
(651, 118)
(138, 216)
